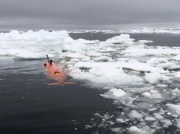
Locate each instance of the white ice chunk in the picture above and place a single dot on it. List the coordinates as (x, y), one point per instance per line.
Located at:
(88, 41)
(106, 76)
(153, 78)
(177, 57)
(102, 58)
(157, 60)
(145, 41)
(73, 47)
(177, 75)
(158, 116)
(114, 94)
(153, 94)
(151, 30)
(149, 118)
(175, 92)
(75, 55)
(30, 44)
(75, 60)
(86, 59)
(141, 90)
(122, 39)
(94, 54)
(175, 109)
(120, 120)
(156, 95)
(147, 94)
(135, 130)
(178, 123)
(116, 130)
(108, 50)
(169, 65)
(31, 56)
(135, 114)
(166, 122)
(162, 85)
(152, 109)
(131, 65)
(140, 51)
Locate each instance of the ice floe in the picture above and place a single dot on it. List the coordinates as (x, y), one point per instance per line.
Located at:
(158, 116)
(151, 30)
(152, 94)
(153, 78)
(122, 39)
(135, 114)
(32, 44)
(114, 94)
(134, 31)
(174, 108)
(142, 51)
(135, 130)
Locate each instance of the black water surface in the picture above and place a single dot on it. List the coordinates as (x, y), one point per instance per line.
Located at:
(29, 106)
(171, 40)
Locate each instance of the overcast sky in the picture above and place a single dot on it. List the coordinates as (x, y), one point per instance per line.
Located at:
(31, 14)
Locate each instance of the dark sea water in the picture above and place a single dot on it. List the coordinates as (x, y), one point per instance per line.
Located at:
(172, 40)
(29, 106)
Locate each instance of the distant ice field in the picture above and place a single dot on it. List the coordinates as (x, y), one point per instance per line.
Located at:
(158, 39)
(139, 71)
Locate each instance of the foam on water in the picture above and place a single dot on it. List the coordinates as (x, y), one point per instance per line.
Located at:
(141, 80)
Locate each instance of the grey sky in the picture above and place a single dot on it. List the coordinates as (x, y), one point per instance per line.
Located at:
(56, 13)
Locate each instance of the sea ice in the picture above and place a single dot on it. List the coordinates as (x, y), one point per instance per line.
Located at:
(153, 78)
(174, 108)
(102, 58)
(178, 123)
(141, 51)
(114, 94)
(154, 61)
(135, 130)
(153, 94)
(158, 116)
(122, 39)
(119, 120)
(148, 118)
(166, 122)
(135, 114)
(177, 57)
(116, 130)
(177, 75)
(150, 30)
(35, 44)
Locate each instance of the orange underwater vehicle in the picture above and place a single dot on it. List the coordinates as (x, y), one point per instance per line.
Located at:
(56, 73)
